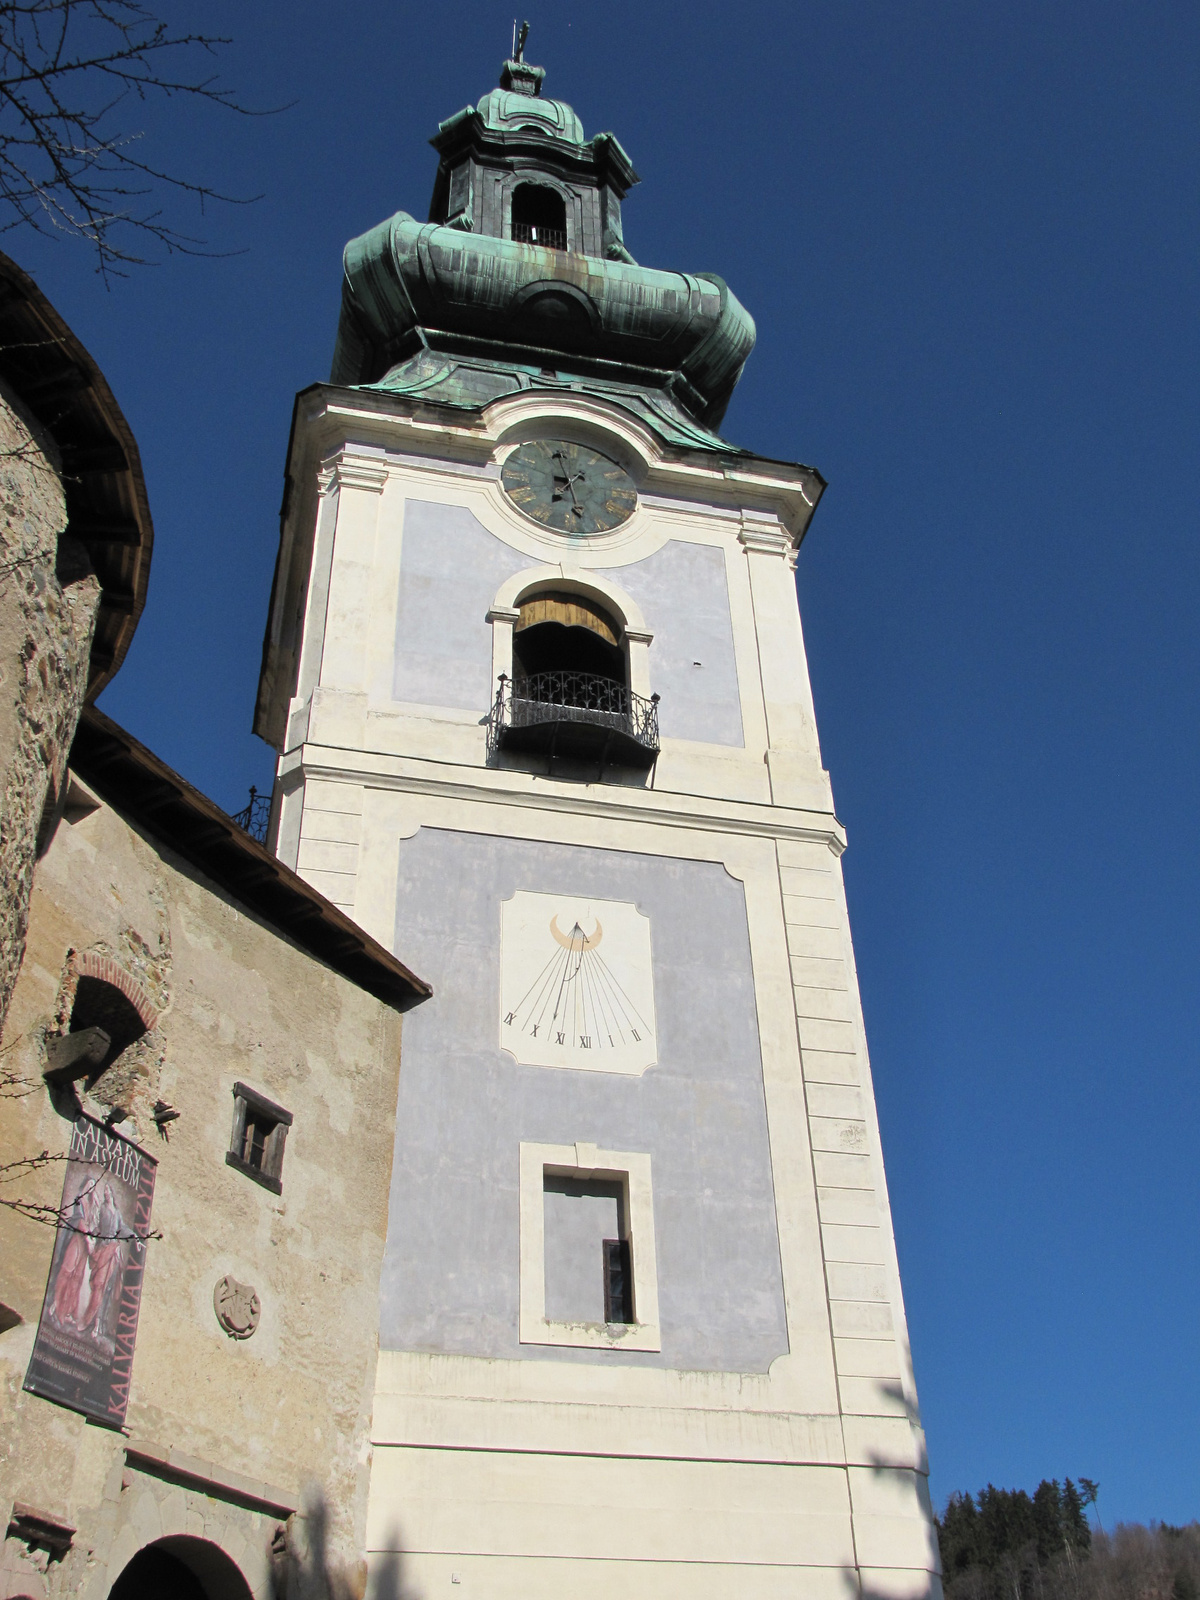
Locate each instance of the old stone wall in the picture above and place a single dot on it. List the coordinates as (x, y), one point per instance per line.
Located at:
(48, 602)
(245, 1427)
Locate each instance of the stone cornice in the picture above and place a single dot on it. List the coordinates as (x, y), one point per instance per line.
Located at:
(503, 786)
(761, 539)
(355, 472)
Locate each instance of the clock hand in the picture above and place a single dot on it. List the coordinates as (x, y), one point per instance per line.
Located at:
(569, 479)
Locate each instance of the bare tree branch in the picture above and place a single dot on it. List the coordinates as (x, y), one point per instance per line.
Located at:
(41, 1211)
(70, 71)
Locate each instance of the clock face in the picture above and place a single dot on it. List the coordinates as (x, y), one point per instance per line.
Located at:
(575, 984)
(568, 487)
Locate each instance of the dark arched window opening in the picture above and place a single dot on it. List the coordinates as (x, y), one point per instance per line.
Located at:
(102, 1005)
(566, 633)
(539, 216)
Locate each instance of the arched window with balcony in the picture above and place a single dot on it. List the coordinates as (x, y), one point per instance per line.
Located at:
(539, 216)
(569, 695)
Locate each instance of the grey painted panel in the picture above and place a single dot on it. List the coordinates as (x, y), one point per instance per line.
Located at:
(450, 569)
(451, 1271)
(684, 595)
(579, 1216)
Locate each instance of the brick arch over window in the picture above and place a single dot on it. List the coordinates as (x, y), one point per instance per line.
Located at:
(93, 968)
(87, 964)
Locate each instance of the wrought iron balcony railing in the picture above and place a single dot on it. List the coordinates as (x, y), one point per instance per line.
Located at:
(576, 716)
(533, 233)
(255, 818)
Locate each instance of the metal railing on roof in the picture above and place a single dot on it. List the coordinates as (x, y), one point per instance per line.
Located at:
(255, 817)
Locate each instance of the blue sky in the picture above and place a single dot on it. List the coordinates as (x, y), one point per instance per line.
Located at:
(969, 236)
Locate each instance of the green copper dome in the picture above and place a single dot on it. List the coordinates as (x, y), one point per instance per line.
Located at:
(523, 263)
(506, 110)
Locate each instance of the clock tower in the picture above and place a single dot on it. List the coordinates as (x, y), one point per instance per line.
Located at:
(535, 674)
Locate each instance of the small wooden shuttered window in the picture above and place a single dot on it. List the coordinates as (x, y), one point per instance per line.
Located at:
(260, 1129)
(618, 1281)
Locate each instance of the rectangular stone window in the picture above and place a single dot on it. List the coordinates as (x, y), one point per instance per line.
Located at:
(581, 1217)
(259, 1134)
(588, 1266)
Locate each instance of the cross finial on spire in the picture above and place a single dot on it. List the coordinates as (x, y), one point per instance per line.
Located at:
(517, 73)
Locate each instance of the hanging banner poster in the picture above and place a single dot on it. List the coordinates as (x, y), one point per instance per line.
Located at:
(83, 1353)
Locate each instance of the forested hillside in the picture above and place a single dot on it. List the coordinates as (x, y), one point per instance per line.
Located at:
(1003, 1544)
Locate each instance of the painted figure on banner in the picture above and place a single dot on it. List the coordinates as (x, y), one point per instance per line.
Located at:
(98, 1237)
(83, 1353)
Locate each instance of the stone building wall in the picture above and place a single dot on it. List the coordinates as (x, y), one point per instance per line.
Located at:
(49, 597)
(225, 1435)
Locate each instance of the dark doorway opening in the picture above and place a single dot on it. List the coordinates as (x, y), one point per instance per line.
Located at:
(154, 1574)
(181, 1567)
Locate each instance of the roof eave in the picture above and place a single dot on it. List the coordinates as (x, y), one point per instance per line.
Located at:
(135, 782)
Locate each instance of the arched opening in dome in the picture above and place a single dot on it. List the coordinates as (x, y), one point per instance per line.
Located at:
(539, 216)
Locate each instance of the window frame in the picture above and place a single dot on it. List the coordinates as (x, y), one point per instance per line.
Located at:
(586, 1161)
(249, 1102)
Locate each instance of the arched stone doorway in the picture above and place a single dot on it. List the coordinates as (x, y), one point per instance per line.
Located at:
(180, 1568)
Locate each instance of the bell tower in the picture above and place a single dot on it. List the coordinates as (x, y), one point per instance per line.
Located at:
(535, 674)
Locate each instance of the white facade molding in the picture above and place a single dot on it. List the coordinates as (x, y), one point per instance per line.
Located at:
(609, 801)
(766, 539)
(357, 472)
(584, 1161)
(573, 579)
(715, 485)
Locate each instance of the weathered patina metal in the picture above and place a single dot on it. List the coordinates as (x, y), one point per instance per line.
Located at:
(468, 385)
(461, 285)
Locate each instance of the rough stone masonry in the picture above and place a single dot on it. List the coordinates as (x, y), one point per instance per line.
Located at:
(49, 597)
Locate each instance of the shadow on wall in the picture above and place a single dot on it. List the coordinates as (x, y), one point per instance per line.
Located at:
(927, 1585)
(858, 1587)
(387, 1579)
(314, 1572)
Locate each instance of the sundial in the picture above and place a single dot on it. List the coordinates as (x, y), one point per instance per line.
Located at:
(576, 986)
